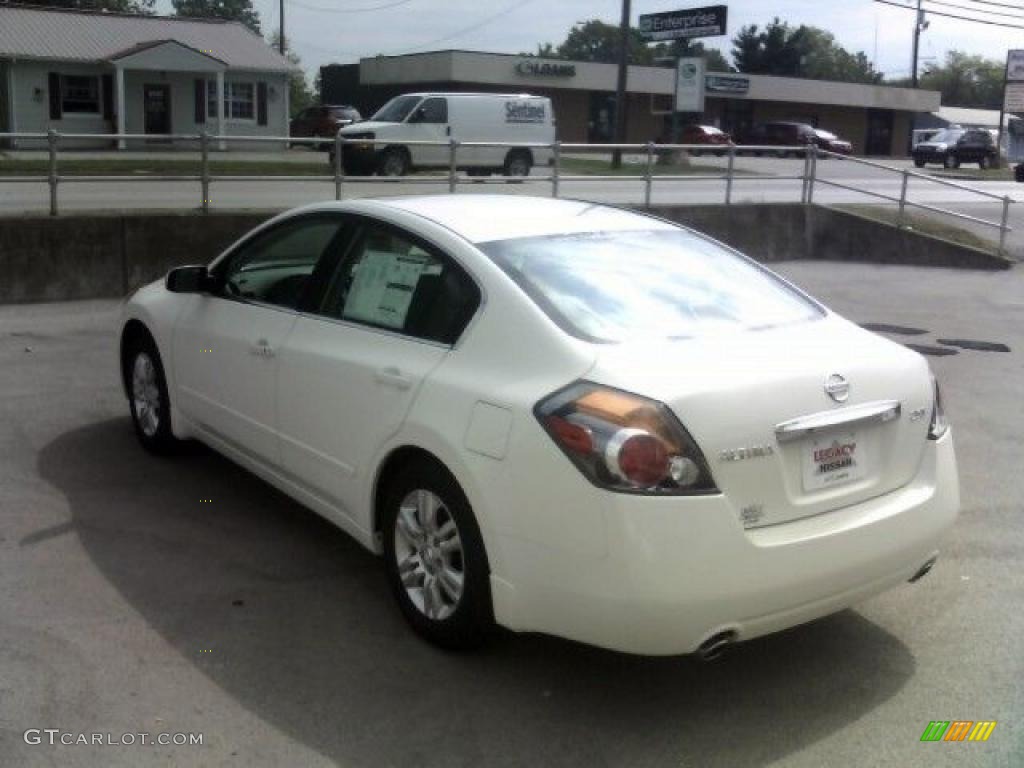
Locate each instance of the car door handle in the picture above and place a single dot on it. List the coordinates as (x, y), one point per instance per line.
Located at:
(393, 378)
(262, 348)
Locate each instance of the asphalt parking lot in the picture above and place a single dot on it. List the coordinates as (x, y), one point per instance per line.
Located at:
(145, 595)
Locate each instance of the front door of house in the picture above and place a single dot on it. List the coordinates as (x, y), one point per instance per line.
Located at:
(156, 101)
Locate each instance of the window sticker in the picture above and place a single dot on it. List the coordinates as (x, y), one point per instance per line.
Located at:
(384, 285)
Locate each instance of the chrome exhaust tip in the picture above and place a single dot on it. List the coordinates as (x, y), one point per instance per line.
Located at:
(923, 570)
(715, 646)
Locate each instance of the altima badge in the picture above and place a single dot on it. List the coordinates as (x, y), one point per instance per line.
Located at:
(837, 387)
(739, 454)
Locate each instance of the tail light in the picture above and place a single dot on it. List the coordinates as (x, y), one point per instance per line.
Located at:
(624, 442)
(938, 426)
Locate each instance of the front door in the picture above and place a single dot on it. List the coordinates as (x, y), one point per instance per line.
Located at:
(226, 345)
(879, 135)
(156, 100)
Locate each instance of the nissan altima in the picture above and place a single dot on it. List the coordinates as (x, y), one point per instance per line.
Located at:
(554, 416)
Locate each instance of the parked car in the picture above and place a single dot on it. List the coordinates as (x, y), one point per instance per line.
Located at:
(440, 117)
(323, 121)
(555, 415)
(780, 134)
(706, 134)
(954, 146)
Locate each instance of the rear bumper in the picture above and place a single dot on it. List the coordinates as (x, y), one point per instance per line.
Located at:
(678, 571)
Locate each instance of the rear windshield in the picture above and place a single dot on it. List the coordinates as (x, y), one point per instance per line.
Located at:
(345, 113)
(657, 284)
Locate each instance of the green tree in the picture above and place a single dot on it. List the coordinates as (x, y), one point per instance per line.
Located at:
(716, 61)
(595, 40)
(965, 80)
(811, 52)
(300, 95)
(229, 10)
(142, 7)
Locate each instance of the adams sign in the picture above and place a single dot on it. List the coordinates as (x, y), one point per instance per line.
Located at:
(528, 68)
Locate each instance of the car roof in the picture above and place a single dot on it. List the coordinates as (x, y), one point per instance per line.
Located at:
(486, 217)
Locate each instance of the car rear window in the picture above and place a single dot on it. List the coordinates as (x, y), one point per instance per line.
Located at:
(648, 284)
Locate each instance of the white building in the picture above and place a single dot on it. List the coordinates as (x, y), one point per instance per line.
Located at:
(90, 72)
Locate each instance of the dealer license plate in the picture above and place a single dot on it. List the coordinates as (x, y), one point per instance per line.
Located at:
(831, 460)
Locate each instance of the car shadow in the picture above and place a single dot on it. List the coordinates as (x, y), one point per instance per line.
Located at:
(295, 621)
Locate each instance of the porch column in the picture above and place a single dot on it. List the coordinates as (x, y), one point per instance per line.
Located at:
(220, 107)
(119, 104)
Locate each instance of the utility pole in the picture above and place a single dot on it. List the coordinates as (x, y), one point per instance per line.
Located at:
(281, 45)
(919, 26)
(620, 90)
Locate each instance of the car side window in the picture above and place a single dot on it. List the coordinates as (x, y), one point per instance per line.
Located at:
(434, 110)
(390, 281)
(276, 266)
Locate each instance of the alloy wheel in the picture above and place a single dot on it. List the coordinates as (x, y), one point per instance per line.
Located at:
(146, 394)
(429, 554)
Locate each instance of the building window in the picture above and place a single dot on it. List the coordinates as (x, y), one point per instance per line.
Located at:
(80, 94)
(239, 100)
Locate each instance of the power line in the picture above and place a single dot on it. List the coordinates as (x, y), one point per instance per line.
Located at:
(998, 5)
(953, 16)
(406, 49)
(368, 9)
(1016, 16)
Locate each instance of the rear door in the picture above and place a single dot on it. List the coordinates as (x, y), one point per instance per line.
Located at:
(351, 369)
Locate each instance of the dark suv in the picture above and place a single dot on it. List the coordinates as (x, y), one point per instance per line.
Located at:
(323, 121)
(953, 146)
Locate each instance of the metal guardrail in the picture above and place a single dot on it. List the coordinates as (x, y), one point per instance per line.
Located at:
(809, 178)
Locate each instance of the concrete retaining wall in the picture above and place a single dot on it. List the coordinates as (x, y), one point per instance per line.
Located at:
(89, 256)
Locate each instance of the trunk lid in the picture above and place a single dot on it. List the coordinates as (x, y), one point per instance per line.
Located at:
(733, 393)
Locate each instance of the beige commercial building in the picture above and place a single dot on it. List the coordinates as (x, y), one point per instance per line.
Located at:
(876, 119)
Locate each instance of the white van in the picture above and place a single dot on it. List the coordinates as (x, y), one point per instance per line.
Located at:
(460, 116)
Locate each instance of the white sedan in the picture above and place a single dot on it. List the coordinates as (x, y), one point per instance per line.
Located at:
(554, 416)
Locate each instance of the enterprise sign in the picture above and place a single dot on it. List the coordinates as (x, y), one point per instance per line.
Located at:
(692, 22)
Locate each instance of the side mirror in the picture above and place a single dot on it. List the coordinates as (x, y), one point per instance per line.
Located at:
(191, 279)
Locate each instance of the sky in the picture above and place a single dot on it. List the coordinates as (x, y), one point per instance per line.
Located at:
(326, 31)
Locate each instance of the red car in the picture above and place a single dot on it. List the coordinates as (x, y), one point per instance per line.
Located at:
(323, 121)
(706, 134)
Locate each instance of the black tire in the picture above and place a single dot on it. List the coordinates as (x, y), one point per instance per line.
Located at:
(472, 617)
(518, 162)
(159, 440)
(951, 161)
(393, 162)
(919, 162)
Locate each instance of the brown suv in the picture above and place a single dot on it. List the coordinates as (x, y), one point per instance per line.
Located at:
(323, 121)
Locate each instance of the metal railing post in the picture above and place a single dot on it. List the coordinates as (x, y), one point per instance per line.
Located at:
(204, 168)
(729, 174)
(452, 178)
(1004, 224)
(648, 174)
(902, 211)
(339, 166)
(814, 175)
(51, 142)
(556, 166)
(807, 176)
